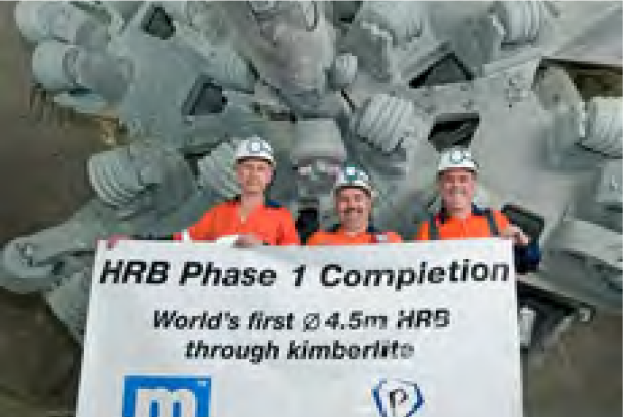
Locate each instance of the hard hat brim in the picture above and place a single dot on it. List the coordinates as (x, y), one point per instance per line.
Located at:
(468, 167)
(242, 158)
(368, 190)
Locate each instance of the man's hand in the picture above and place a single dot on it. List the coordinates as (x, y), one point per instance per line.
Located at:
(516, 234)
(112, 241)
(247, 241)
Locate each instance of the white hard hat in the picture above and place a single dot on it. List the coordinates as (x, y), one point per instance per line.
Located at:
(457, 157)
(254, 147)
(351, 176)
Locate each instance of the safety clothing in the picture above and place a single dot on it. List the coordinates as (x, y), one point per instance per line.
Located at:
(254, 147)
(351, 176)
(271, 223)
(479, 224)
(457, 157)
(337, 236)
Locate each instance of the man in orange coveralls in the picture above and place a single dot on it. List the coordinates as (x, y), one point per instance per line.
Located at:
(459, 218)
(353, 197)
(251, 217)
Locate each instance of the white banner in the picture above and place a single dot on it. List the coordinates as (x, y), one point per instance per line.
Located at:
(395, 330)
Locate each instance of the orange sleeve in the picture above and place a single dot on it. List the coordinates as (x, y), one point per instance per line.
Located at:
(202, 229)
(394, 237)
(315, 239)
(424, 232)
(501, 220)
(287, 235)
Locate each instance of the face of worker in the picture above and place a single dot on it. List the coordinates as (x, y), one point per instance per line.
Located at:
(457, 188)
(253, 175)
(353, 206)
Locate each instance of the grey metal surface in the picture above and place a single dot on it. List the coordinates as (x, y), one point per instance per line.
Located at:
(396, 87)
(192, 94)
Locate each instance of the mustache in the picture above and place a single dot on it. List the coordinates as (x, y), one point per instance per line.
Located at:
(457, 191)
(352, 210)
(252, 180)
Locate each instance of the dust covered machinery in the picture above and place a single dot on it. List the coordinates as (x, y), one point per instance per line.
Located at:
(386, 85)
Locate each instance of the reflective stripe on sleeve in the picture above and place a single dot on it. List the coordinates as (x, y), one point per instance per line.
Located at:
(186, 236)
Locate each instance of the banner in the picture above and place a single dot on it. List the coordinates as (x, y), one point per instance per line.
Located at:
(394, 330)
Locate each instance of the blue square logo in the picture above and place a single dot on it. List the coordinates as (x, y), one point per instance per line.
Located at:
(166, 396)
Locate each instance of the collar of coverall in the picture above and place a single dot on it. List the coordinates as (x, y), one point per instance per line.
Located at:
(370, 228)
(443, 215)
(268, 202)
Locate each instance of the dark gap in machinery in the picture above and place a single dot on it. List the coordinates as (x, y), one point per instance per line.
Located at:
(448, 70)
(457, 130)
(205, 97)
(157, 23)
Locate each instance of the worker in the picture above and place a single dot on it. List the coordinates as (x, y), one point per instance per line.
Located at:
(353, 200)
(460, 218)
(251, 217)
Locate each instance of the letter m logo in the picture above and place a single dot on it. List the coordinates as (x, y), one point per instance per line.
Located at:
(160, 396)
